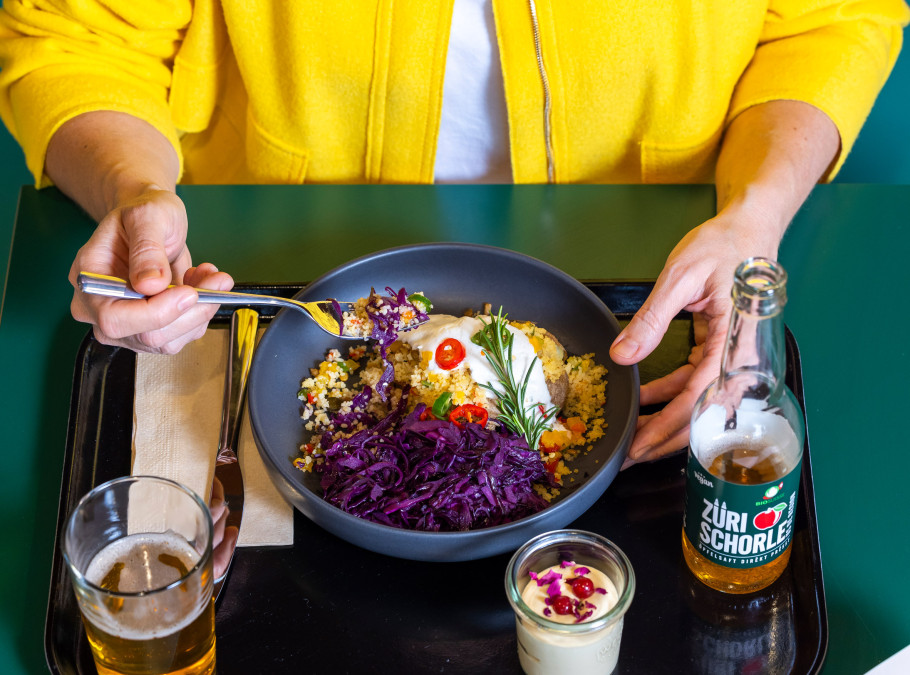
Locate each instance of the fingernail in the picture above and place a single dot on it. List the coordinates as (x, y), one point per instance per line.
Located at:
(625, 348)
(187, 301)
(153, 273)
(641, 452)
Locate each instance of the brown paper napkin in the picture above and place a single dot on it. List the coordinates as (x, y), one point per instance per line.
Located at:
(176, 426)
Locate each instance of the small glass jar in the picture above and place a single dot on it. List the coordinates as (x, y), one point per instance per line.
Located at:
(546, 646)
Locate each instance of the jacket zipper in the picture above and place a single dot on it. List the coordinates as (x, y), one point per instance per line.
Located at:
(547, 101)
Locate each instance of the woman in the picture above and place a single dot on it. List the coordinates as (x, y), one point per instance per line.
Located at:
(115, 102)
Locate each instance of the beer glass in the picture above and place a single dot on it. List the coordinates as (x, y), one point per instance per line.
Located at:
(139, 553)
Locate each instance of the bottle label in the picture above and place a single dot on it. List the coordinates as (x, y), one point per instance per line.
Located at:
(737, 525)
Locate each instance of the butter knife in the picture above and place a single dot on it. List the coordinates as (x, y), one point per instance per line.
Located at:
(244, 323)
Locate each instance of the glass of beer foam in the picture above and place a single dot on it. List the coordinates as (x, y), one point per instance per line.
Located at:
(570, 590)
(139, 553)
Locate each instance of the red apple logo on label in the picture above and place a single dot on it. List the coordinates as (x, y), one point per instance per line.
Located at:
(769, 517)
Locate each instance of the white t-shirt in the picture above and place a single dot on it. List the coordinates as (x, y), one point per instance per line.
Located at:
(473, 145)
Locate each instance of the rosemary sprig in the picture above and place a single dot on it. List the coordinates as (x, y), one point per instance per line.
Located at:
(496, 341)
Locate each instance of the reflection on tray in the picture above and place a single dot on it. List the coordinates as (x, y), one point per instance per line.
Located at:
(747, 634)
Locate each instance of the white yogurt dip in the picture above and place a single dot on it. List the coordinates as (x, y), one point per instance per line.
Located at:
(544, 650)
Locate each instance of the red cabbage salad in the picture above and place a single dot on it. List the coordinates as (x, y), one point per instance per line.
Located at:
(429, 474)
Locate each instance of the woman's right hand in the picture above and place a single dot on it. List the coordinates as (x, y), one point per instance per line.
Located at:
(144, 241)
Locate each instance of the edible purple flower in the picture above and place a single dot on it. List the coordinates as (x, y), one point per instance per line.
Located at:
(550, 577)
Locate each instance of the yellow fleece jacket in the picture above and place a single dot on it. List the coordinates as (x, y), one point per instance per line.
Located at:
(341, 91)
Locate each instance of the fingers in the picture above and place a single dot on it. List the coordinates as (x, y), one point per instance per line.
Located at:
(664, 431)
(119, 319)
(221, 555)
(219, 525)
(700, 327)
(163, 323)
(217, 505)
(224, 539)
(666, 387)
(667, 431)
(144, 241)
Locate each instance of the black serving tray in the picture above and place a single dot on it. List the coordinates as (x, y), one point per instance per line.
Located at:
(326, 606)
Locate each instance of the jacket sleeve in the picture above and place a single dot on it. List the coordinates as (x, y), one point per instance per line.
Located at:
(833, 55)
(59, 59)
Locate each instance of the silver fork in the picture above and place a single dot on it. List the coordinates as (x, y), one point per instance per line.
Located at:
(324, 313)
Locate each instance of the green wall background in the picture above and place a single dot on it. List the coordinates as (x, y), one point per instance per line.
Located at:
(881, 154)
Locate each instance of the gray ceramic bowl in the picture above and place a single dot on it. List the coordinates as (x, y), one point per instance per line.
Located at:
(454, 277)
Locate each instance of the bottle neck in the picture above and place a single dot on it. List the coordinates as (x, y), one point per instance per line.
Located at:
(755, 338)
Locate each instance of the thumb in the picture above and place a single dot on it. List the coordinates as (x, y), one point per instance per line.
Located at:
(150, 228)
(646, 329)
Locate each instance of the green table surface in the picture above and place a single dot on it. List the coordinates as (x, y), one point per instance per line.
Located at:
(846, 253)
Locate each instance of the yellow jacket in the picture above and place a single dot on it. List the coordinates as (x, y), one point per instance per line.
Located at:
(338, 91)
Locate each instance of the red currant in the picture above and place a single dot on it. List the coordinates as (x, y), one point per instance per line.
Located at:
(582, 587)
(562, 604)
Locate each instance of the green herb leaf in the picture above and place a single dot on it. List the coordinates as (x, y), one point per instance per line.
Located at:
(496, 341)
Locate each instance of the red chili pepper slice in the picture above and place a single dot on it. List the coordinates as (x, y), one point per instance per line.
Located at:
(469, 413)
(449, 353)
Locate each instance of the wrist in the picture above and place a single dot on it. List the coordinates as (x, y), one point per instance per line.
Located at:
(106, 159)
(772, 156)
(758, 214)
(120, 190)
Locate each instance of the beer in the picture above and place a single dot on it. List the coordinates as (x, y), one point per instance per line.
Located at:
(177, 636)
(745, 447)
(139, 553)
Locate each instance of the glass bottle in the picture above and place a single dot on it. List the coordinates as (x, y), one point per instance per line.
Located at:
(745, 446)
